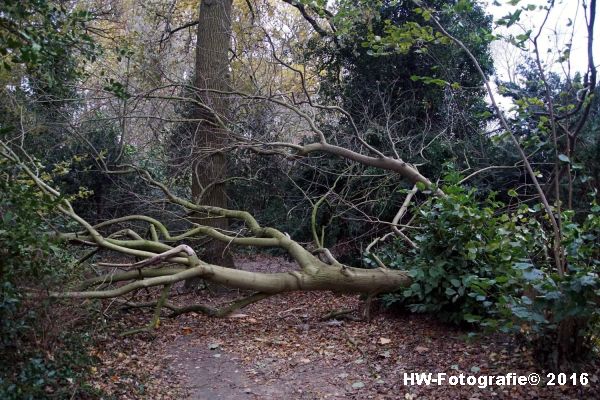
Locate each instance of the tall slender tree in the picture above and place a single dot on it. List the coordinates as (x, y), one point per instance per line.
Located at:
(209, 166)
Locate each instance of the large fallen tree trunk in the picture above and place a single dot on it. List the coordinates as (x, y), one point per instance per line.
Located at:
(165, 261)
(318, 276)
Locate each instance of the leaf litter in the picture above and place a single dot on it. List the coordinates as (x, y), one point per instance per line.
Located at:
(281, 348)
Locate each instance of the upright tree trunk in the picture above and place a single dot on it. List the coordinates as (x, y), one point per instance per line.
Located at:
(209, 167)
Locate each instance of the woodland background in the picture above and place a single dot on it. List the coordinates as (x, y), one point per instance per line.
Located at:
(148, 143)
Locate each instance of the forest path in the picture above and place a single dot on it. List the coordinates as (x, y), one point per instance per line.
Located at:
(281, 348)
(212, 374)
(252, 354)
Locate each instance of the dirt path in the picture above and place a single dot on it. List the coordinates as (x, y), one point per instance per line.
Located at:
(240, 359)
(212, 374)
(266, 365)
(280, 348)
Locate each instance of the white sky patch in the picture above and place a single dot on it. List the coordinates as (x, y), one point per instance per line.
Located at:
(555, 35)
(566, 25)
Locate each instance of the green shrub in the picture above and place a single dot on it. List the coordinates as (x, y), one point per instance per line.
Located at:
(64, 374)
(487, 264)
(468, 256)
(28, 254)
(560, 315)
(32, 261)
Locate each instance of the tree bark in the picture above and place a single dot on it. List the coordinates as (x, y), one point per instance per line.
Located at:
(341, 279)
(209, 166)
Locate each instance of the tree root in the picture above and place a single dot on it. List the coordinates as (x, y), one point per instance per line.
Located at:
(221, 312)
(340, 314)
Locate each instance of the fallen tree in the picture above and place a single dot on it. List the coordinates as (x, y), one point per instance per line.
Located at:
(165, 261)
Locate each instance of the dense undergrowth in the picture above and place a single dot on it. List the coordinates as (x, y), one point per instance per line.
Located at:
(486, 263)
(44, 347)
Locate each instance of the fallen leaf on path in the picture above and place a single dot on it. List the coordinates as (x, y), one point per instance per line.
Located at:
(384, 340)
(385, 354)
(186, 330)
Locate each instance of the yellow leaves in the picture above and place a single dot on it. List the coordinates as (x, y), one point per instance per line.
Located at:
(61, 168)
(81, 194)
(188, 5)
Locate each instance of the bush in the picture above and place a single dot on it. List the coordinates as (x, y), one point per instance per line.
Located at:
(468, 256)
(481, 263)
(31, 261)
(557, 313)
(62, 374)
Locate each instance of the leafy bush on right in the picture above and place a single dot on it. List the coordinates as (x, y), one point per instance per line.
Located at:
(482, 262)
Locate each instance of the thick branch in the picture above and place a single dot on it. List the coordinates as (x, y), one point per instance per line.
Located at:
(386, 163)
(334, 278)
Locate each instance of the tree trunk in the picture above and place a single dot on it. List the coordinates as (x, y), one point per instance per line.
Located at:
(340, 279)
(570, 341)
(209, 166)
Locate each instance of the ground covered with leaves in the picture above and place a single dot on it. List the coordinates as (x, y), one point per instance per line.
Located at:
(284, 348)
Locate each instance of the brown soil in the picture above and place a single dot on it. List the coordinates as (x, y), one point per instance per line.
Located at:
(280, 348)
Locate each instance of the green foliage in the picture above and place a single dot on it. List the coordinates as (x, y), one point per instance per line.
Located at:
(479, 264)
(27, 252)
(27, 249)
(40, 34)
(63, 375)
(383, 45)
(467, 254)
(31, 258)
(550, 302)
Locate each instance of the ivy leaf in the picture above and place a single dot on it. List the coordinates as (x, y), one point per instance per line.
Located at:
(564, 158)
(450, 292)
(510, 19)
